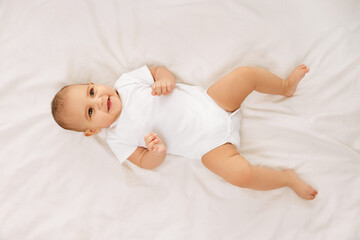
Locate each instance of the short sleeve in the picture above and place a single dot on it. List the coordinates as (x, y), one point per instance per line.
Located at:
(121, 151)
(141, 75)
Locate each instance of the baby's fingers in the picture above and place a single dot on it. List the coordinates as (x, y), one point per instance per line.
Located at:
(149, 138)
(153, 145)
(162, 88)
(169, 87)
(156, 89)
(153, 91)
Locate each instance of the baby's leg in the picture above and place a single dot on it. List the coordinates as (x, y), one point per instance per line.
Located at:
(226, 162)
(231, 90)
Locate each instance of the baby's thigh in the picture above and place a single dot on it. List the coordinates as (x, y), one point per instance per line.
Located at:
(232, 89)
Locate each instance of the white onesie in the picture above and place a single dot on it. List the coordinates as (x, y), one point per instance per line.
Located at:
(188, 121)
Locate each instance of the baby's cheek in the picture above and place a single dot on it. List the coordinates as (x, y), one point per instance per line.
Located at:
(105, 121)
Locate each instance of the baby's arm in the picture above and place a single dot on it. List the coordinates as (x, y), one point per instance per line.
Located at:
(164, 81)
(151, 156)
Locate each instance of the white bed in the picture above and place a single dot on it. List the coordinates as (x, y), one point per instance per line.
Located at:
(56, 184)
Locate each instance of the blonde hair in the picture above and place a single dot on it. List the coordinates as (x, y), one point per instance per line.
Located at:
(58, 112)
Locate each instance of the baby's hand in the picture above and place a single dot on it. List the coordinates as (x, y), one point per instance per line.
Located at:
(154, 143)
(163, 87)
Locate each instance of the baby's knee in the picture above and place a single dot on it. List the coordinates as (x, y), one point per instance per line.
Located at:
(242, 174)
(246, 76)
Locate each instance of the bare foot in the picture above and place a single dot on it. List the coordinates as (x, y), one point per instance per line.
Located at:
(293, 80)
(302, 189)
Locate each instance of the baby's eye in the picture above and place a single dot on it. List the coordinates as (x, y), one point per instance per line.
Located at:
(92, 93)
(90, 112)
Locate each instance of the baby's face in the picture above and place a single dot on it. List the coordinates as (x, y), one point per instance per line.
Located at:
(92, 107)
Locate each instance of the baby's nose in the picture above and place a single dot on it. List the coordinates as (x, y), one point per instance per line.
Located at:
(100, 103)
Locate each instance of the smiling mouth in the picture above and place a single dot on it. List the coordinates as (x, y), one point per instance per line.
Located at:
(108, 104)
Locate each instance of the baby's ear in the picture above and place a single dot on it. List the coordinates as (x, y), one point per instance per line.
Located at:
(91, 132)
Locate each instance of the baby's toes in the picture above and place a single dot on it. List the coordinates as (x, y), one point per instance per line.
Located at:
(305, 68)
(311, 197)
(312, 194)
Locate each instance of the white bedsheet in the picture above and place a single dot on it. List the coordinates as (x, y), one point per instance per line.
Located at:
(56, 184)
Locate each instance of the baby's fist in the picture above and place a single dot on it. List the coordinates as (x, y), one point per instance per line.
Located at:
(154, 143)
(163, 87)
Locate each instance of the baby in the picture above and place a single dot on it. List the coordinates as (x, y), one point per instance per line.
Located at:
(148, 115)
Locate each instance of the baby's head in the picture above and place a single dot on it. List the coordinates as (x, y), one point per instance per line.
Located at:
(86, 107)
